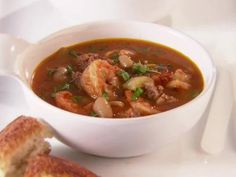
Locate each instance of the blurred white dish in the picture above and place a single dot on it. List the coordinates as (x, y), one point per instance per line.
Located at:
(79, 11)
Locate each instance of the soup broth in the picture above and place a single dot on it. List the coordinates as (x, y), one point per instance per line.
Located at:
(117, 78)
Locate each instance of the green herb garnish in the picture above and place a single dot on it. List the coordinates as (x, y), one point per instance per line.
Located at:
(92, 48)
(140, 68)
(115, 57)
(65, 86)
(137, 93)
(76, 98)
(51, 71)
(105, 95)
(124, 75)
(195, 93)
(74, 53)
(69, 69)
(163, 67)
(169, 67)
(94, 114)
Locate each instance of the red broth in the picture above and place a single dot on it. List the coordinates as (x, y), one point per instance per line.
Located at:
(117, 78)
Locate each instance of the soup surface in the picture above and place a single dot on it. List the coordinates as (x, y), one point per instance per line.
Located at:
(117, 78)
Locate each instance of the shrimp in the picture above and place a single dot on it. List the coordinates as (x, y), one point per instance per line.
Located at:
(140, 106)
(64, 100)
(95, 76)
(181, 75)
(180, 80)
(178, 84)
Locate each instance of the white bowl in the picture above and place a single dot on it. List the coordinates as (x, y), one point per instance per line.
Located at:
(117, 137)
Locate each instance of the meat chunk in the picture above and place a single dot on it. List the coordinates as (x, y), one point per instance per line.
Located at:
(76, 79)
(82, 61)
(164, 98)
(152, 91)
(163, 78)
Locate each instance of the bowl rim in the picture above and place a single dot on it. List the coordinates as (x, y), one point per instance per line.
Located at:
(128, 22)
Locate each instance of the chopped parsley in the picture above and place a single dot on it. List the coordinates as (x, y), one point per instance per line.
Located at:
(94, 114)
(164, 67)
(51, 71)
(137, 93)
(194, 93)
(124, 75)
(74, 53)
(115, 57)
(76, 98)
(140, 68)
(105, 95)
(64, 86)
(69, 69)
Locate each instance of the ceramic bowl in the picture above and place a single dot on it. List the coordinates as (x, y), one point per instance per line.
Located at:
(114, 137)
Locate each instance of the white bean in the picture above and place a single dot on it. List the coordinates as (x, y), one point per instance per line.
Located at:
(102, 108)
(60, 74)
(117, 103)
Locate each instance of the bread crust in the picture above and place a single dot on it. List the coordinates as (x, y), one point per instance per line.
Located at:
(17, 133)
(45, 165)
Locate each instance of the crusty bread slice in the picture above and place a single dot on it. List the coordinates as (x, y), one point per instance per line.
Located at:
(49, 166)
(19, 141)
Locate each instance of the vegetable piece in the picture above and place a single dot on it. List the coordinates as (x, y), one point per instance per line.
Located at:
(65, 86)
(94, 114)
(124, 75)
(105, 95)
(62, 87)
(137, 93)
(51, 71)
(115, 57)
(163, 67)
(102, 108)
(69, 69)
(76, 98)
(140, 68)
(194, 93)
(125, 61)
(74, 53)
(136, 82)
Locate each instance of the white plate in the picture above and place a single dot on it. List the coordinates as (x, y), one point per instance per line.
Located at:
(182, 158)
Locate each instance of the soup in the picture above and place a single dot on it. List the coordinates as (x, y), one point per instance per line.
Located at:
(117, 78)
